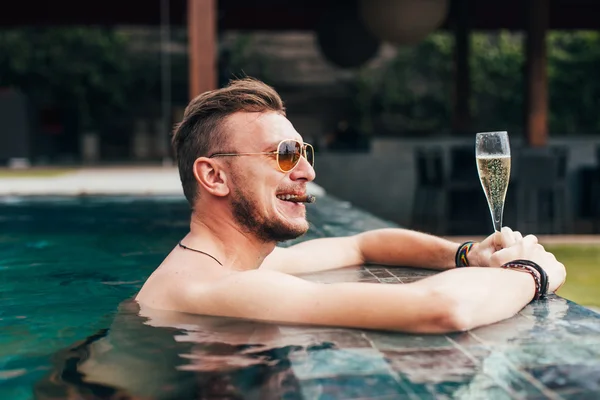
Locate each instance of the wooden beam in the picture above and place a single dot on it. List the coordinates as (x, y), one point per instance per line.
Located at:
(536, 104)
(202, 37)
(461, 112)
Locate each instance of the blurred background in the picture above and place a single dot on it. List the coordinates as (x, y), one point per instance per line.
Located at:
(390, 92)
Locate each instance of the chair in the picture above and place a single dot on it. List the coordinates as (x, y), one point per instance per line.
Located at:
(429, 203)
(467, 206)
(542, 205)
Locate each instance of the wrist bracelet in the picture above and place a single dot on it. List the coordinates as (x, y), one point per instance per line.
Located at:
(539, 275)
(460, 259)
(544, 282)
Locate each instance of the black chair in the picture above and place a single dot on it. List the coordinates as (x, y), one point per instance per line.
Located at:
(468, 213)
(594, 192)
(429, 202)
(541, 183)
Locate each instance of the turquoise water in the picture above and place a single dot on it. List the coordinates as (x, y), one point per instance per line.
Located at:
(66, 266)
(68, 329)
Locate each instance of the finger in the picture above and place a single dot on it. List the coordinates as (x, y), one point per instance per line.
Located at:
(517, 235)
(529, 240)
(505, 238)
(503, 256)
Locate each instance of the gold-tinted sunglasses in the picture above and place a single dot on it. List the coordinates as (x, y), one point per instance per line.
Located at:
(288, 154)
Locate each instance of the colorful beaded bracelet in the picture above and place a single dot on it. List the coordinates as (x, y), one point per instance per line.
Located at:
(460, 258)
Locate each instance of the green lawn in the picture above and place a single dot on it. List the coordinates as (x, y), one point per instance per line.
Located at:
(33, 172)
(583, 272)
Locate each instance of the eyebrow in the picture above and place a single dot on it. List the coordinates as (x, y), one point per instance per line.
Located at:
(271, 147)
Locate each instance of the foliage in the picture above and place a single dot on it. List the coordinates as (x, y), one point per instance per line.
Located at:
(82, 69)
(574, 72)
(416, 85)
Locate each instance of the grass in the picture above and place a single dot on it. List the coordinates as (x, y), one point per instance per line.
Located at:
(583, 272)
(34, 172)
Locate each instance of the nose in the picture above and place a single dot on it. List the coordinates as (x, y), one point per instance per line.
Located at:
(303, 171)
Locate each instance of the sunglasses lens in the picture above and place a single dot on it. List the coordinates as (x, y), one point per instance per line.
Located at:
(310, 154)
(289, 154)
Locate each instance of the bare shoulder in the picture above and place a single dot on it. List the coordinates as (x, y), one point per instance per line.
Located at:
(168, 285)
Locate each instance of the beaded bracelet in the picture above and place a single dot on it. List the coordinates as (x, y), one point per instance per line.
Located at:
(539, 275)
(460, 258)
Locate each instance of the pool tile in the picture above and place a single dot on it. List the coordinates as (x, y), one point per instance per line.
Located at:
(392, 341)
(381, 273)
(331, 363)
(580, 395)
(565, 377)
(376, 387)
(464, 339)
(535, 355)
(479, 387)
(434, 364)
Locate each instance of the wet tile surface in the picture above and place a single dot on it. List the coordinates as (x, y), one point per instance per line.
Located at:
(550, 350)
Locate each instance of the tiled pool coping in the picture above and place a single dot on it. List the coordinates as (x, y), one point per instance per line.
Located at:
(549, 350)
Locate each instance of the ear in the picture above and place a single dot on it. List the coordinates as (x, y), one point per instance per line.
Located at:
(211, 176)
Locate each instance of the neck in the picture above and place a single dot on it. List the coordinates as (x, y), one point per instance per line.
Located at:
(214, 234)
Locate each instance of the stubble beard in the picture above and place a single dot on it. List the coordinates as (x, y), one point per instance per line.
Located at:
(246, 213)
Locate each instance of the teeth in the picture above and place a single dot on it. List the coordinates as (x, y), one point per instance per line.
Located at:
(286, 196)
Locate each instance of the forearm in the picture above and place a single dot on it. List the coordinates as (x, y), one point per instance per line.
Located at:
(404, 247)
(483, 295)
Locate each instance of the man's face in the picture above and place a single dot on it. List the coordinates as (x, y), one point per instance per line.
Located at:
(257, 183)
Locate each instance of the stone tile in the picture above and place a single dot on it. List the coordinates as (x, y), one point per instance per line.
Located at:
(568, 377)
(537, 355)
(580, 395)
(390, 280)
(369, 279)
(517, 329)
(480, 387)
(381, 273)
(409, 279)
(337, 362)
(327, 338)
(434, 364)
(396, 341)
(464, 339)
(376, 386)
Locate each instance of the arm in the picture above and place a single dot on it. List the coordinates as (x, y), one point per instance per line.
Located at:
(453, 300)
(400, 247)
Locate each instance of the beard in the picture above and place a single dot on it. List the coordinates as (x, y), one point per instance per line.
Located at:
(248, 217)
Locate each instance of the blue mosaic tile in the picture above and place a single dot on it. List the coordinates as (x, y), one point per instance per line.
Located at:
(328, 363)
(378, 386)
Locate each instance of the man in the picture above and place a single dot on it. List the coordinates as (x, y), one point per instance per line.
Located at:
(244, 170)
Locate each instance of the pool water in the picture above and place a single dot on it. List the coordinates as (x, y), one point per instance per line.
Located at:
(69, 330)
(67, 268)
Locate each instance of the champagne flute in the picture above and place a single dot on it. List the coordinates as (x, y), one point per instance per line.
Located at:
(492, 152)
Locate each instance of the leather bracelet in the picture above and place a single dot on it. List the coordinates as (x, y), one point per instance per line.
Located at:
(539, 275)
(460, 259)
(543, 275)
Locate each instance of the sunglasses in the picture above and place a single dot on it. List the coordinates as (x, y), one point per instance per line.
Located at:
(288, 154)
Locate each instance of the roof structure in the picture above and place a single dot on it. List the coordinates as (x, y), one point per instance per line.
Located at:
(275, 14)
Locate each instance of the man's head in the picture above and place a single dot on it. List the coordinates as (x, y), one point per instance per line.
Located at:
(247, 116)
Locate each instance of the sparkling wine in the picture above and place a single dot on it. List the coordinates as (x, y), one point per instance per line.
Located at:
(494, 173)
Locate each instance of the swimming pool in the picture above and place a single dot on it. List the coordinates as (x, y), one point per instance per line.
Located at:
(68, 266)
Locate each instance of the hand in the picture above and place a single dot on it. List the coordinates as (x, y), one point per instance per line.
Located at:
(528, 248)
(481, 253)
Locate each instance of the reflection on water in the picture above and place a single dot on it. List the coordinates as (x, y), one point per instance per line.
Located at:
(169, 355)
